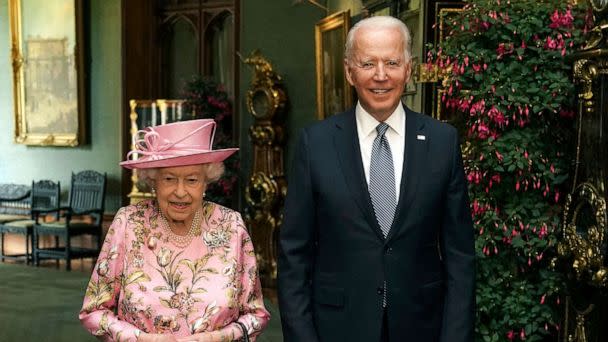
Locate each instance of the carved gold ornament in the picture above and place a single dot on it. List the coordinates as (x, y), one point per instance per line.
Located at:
(584, 242)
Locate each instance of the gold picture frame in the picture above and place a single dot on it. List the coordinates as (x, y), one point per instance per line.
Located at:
(444, 12)
(48, 72)
(334, 93)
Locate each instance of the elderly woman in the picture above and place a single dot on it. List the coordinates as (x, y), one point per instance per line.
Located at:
(176, 268)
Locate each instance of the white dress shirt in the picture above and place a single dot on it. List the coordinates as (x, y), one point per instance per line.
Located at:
(366, 131)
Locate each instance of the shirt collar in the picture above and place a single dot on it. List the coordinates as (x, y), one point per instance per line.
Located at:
(367, 123)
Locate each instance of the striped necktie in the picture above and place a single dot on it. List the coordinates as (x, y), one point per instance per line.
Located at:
(382, 180)
(382, 185)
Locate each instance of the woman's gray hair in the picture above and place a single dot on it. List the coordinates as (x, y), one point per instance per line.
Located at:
(145, 177)
(380, 22)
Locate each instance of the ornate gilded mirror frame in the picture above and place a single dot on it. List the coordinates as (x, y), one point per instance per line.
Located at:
(48, 72)
(583, 248)
(583, 241)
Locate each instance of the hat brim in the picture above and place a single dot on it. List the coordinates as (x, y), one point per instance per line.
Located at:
(214, 156)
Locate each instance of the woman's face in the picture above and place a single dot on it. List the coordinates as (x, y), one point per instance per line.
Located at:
(179, 191)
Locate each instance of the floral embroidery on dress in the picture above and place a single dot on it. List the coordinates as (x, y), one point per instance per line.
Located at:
(141, 282)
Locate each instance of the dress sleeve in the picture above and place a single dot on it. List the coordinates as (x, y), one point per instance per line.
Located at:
(254, 315)
(98, 313)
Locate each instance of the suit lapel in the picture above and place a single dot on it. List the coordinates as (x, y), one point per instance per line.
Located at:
(348, 151)
(415, 152)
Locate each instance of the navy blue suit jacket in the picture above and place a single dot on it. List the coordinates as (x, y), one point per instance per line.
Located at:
(334, 260)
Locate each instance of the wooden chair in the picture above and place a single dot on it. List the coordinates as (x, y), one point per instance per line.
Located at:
(82, 216)
(14, 202)
(44, 195)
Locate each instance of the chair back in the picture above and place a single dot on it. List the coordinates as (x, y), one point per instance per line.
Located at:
(46, 195)
(15, 199)
(88, 192)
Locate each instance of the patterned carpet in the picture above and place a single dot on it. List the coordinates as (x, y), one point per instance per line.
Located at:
(42, 304)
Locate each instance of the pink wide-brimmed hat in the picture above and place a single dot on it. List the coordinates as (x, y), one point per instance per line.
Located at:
(176, 144)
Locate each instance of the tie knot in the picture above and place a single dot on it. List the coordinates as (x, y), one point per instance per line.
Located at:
(381, 128)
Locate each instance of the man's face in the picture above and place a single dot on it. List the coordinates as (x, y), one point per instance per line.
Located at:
(377, 70)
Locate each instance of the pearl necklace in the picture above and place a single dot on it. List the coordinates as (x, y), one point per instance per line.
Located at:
(181, 241)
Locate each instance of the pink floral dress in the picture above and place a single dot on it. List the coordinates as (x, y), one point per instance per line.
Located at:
(143, 283)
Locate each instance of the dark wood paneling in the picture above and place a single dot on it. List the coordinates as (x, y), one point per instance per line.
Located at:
(139, 74)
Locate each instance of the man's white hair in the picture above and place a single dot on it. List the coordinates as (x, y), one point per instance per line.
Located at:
(379, 22)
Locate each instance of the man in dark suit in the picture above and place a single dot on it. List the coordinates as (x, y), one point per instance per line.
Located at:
(377, 240)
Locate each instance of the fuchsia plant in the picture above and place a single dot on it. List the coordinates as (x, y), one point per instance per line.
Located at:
(508, 80)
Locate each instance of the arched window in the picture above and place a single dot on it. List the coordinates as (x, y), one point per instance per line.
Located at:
(221, 50)
(180, 54)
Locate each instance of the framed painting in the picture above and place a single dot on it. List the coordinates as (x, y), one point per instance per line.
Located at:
(334, 93)
(48, 72)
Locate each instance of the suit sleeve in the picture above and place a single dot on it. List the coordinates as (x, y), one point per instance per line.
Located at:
(458, 249)
(296, 251)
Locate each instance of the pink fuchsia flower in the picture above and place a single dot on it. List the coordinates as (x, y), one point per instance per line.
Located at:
(561, 20)
(539, 257)
(496, 116)
(504, 49)
(464, 105)
(477, 107)
(550, 43)
(483, 132)
(474, 177)
(499, 156)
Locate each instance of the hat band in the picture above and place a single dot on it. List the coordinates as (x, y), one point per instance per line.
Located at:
(155, 147)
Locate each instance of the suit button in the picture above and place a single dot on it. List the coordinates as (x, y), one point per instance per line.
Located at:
(380, 290)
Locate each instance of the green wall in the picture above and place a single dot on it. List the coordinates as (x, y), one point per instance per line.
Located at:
(355, 6)
(285, 35)
(22, 164)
